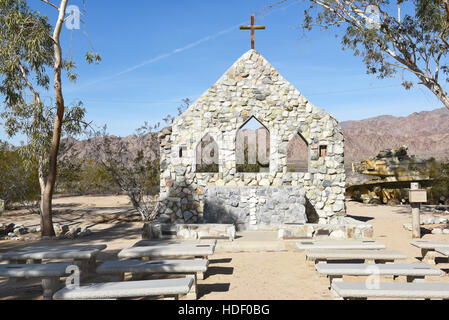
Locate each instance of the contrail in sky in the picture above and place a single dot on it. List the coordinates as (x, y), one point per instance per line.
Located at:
(166, 55)
(178, 50)
(159, 57)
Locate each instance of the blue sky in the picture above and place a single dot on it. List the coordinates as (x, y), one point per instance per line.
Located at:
(156, 53)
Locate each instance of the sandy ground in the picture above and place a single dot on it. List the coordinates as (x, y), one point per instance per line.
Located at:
(246, 275)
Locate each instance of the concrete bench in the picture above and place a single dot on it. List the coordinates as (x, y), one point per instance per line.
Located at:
(195, 267)
(147, 243)
(376, 256)
(443, 251)
(414, 290)
(413, 272)
(428, 251)
(128, 289)
(153, 230)
(164, 251)
(202, 251)
(49, 273)
(84, 256)
(348, 245)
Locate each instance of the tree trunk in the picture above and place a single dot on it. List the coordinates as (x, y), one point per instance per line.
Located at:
(439, 92)
(47, 195)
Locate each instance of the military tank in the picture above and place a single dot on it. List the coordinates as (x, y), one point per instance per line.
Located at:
(394, 170)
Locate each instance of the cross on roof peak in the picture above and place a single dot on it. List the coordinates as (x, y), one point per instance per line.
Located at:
(252, 27)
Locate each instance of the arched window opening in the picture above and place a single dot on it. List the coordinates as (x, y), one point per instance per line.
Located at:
(298, 154)
(207, 155)
(252, 147)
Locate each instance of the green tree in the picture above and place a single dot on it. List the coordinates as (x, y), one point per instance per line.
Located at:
(391, 36)
(30, 50)
(19, 182)
(439, 172)
(87, 176)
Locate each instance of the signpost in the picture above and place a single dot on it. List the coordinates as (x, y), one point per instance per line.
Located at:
(416, 197)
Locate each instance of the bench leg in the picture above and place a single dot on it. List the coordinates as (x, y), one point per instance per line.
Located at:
(384, 261)
(50, 285)
(33, 261)
(84, 267)
(416, 279)
(428, 256)
(136, 276)
(126, 276)
(92, 264)
(200, 275)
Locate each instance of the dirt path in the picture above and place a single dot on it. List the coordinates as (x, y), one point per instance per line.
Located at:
(267, 275)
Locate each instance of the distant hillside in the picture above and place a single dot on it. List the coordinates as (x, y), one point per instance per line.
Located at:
(425, 133)
(88, 149)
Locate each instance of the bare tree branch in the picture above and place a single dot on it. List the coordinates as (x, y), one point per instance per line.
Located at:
(48, 2)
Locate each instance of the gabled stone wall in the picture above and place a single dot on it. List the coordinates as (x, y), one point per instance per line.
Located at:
(251, 88)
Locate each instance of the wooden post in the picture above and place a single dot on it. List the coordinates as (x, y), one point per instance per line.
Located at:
(416, 223)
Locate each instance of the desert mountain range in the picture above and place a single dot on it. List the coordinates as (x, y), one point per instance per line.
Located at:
(425, 133)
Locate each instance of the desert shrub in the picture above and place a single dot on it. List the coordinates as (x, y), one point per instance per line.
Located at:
(137, 176)
(85, 177)
(19, 179)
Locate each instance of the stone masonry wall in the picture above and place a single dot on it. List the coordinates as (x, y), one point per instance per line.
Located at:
(251, 88)
(254, 207)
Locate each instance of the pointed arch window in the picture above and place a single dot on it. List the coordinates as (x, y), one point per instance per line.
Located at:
(207, 155)
(298, 154)
(252, 147)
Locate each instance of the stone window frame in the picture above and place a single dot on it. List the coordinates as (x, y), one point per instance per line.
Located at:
(322, 146)
(182, 151)
(272, 163)
(309, 150)
(195, 146)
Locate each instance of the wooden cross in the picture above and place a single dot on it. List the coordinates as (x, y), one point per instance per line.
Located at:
(252, 27)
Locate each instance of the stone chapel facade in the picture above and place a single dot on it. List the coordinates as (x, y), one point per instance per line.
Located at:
(252, 88)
